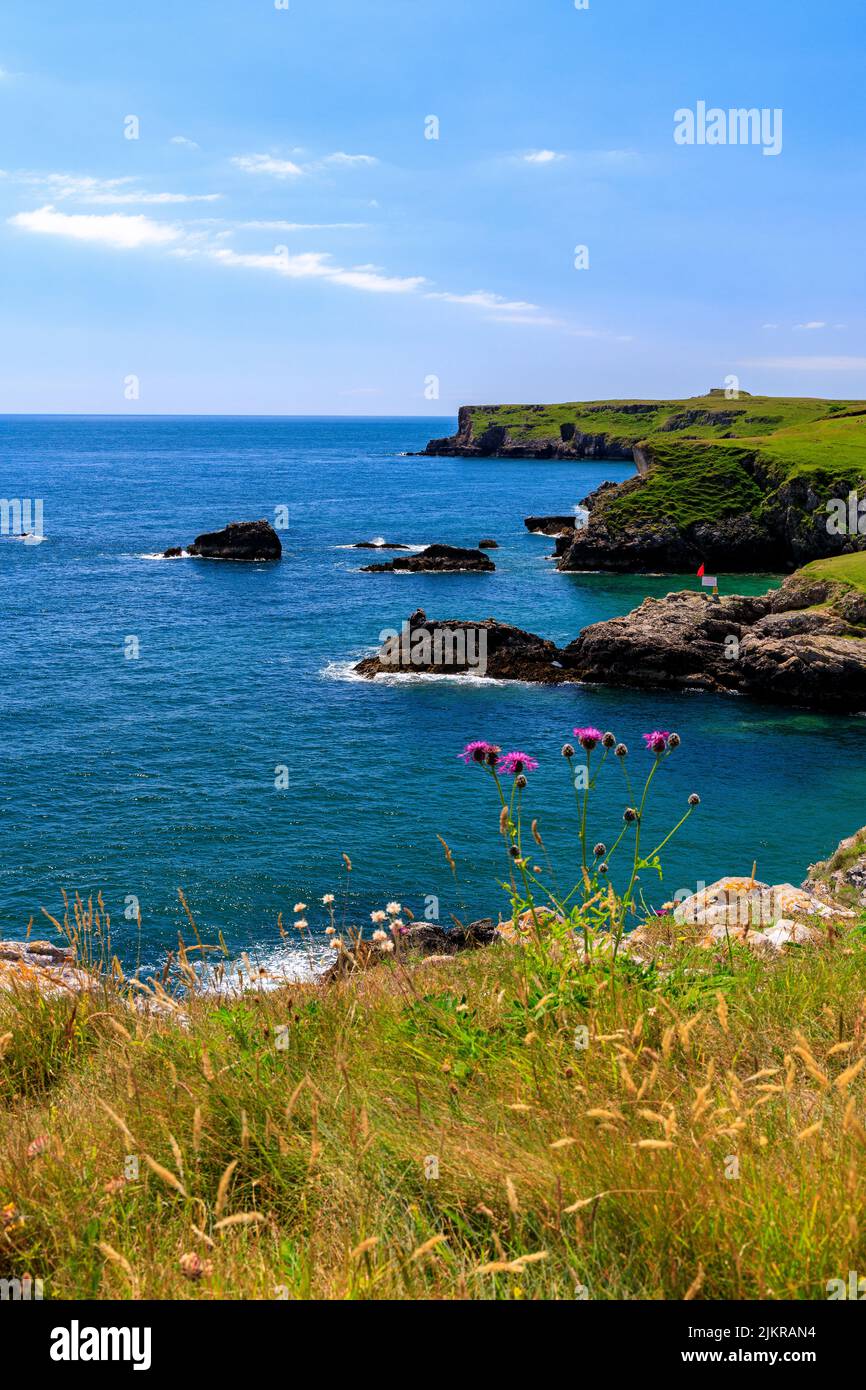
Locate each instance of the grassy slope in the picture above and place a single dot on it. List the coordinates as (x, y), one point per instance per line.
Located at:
(542, 1148)
(697, 473)
(847, 569)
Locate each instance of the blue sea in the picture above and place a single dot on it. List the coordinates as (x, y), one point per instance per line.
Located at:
(134, 775)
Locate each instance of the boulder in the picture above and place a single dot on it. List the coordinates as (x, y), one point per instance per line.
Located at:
(427, 646)
(488, 545)
(435, 559)
(240, 540)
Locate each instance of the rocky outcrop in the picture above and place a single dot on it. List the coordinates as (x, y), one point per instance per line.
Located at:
(412, 946)
(496, 442)
(488, 544)
(550, 525)
(842, 877)
(803, 644)
(435, 559)
(737, 544)
(240, 540)
(764, 918)
(41, 965)
(426, 646)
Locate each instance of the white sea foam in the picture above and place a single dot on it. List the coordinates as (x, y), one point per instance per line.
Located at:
(345, 671)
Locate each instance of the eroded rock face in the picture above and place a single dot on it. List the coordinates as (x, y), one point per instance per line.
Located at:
(843, 876)
(435, 559)
(768, 647)
(429, 646)
(550, 525)
(736, 544)
(240, 540)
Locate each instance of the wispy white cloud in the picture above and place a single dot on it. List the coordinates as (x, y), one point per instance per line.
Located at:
(184, 140)
(318, 265)
(82, 188)
(807, 364)
(812, 324)
(281, 168)
(267, 164)
(125, 231)
(350, 159)
(542, 157)
(121, 230)
(279, 226)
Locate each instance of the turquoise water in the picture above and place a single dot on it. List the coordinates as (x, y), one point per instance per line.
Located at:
(136, 776)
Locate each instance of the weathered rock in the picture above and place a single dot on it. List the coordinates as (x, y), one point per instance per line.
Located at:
(425, 939)
(240, 540)
(766, 647)
(550, 525)
(427, 646)
(173, 553)
(843, 876)
(43, 966)
(435, 559)
(488, 545)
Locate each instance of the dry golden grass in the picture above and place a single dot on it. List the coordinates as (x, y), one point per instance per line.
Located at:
(606, 1170)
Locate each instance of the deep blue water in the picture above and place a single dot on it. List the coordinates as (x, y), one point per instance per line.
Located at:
(136, 776)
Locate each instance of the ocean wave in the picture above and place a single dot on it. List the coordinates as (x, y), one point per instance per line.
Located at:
(345, 671)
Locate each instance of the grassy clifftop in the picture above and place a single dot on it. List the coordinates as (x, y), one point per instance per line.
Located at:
(699, 417)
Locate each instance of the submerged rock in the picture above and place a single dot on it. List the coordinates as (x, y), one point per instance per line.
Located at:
(435, 559)
(240, 540)
(488, 545)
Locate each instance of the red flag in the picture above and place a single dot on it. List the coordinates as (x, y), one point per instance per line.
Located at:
(701, 572)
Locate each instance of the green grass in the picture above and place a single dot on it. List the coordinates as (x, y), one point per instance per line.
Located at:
(845, 569)
(709, 457)
(688, 486)
(749, 417)
(546, 1179)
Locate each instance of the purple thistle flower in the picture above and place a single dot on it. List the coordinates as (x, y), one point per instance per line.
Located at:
(477, 751)
(657, 741)
(513, 764)
(588, 737)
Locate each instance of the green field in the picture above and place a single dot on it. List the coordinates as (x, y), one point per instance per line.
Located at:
(846, 569)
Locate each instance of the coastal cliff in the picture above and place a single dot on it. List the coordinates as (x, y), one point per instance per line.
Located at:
(739, 485)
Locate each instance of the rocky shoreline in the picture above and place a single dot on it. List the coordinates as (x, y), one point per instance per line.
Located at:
(801, 645)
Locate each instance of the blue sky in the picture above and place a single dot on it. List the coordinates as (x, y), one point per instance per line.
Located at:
(281, 237)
